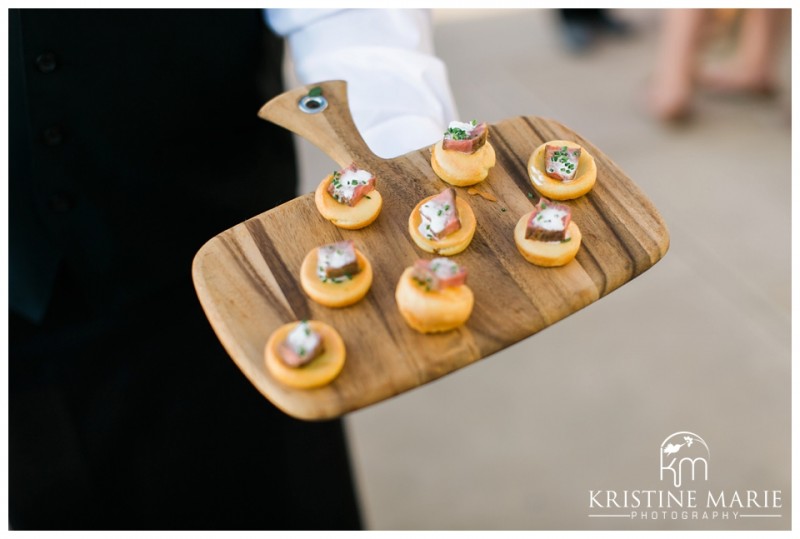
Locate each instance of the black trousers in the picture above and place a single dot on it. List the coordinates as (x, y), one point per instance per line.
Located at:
(141, 421)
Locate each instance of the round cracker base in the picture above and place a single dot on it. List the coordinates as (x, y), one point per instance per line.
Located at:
(321, 371)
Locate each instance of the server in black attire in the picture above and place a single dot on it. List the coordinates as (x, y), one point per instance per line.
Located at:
(133, 139)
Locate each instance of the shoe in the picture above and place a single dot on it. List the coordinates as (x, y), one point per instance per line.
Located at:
(613, 27)
(578, 37)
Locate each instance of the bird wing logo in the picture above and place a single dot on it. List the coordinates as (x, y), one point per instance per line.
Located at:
(671, 449)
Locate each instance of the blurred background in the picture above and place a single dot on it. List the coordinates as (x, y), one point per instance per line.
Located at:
(700, 342)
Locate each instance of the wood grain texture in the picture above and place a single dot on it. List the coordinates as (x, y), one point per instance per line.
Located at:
(247, 278)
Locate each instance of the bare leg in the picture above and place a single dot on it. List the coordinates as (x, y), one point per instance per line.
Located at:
(752, 67)
(670, 91)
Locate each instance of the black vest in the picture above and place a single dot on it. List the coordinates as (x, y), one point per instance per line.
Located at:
(133, 139)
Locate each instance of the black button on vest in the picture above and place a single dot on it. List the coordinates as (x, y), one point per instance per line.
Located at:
(61, 202)
(46, 62)
(52, 136)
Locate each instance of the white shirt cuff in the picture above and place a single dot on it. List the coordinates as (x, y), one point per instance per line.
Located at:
(398, 91)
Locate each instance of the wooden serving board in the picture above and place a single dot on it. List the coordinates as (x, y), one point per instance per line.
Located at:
(247, 278)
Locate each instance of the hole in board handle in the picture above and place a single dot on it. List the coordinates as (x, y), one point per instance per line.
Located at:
(313, 104)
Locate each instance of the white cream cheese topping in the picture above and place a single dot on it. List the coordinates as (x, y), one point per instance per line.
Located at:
(550, 219)
(444, 267)
(464, 126)
(336, 258)
(303, 339)
(348, 182)
(435, 216)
